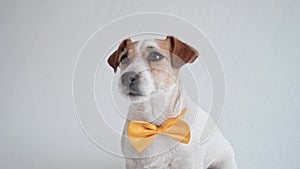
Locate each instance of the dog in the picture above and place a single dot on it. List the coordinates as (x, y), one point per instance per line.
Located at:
(149, 77)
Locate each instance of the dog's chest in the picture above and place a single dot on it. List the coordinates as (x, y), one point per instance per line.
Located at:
(166, 153)
(162, 153)
(177, 157)
(163, 161)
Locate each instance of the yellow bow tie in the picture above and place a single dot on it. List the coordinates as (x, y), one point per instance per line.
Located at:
(141, 133)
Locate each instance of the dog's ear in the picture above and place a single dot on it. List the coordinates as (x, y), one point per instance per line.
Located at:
(114, 59)
(181, 52)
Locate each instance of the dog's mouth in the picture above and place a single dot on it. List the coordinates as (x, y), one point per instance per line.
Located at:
(135, 94)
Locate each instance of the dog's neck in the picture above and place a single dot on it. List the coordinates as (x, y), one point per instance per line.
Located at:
(159, 107)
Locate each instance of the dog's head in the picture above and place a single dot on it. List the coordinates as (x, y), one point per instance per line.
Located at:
(150, 65)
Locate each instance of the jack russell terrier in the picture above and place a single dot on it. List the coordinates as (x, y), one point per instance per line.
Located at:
(163, 128)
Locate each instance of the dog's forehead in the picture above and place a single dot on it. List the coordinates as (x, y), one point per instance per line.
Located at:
(149, 43)
(144, 44)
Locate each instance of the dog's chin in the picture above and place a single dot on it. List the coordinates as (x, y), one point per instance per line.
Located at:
(136, 97)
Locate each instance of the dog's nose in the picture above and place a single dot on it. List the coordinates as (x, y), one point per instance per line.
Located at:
(129, 78)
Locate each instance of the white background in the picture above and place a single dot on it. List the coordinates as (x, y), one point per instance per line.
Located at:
(258, 42)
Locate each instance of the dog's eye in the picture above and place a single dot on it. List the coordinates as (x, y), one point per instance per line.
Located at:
(124, 59)
(155, 56)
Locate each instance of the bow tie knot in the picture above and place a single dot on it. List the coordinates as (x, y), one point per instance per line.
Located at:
(141, 133)
(159, 130)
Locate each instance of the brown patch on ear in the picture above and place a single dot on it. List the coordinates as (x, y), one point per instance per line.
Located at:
(181, 52)
(113, 59)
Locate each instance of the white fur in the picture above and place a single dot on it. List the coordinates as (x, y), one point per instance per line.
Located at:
(164, 152)
(146, 43)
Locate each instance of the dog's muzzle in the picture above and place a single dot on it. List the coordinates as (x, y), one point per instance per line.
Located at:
(131, 81)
